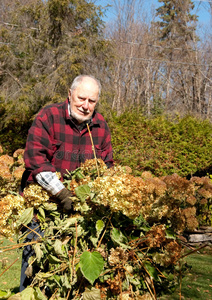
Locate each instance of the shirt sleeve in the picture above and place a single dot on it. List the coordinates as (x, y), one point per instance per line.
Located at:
(40, 145)
(50, 182)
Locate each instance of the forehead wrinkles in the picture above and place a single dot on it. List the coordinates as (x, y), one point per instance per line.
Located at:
(87, 91)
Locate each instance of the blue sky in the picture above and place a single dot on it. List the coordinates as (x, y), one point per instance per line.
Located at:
(201, 9)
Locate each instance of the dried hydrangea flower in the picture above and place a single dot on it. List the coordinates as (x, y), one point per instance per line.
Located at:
(117, 256)
(35, 195)
(11, 206)
(18, 172)
(89, 167)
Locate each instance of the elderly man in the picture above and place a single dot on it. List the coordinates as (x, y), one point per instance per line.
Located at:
(58, 140)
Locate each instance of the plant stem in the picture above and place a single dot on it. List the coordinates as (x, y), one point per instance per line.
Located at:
(19, 246)
(74, 254)
(33, 230)
(99, 243)
(93, 149)
(120, 285)
(195, 250)
(9, 266)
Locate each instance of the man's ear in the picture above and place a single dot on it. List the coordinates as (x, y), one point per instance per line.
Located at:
(97, 105)
(69, 95)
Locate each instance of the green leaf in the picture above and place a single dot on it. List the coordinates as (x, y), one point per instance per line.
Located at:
(42, 275)
(70, 222)
(99, 227)
(151, 270)
(53, 259)
(82, 192)
(41, 212)
(38, 252)
(5, 294)
(26, 217)
(118, 237)
(78, 174)
(65, 281)
(27, 294)
(93, 294)
(39, 295)
(58, 247)
(15, 297)
(141, 223)
(56, 279)
(135, 281)
(170, 234)
(50, 206)
(94, 240)
(91, 265)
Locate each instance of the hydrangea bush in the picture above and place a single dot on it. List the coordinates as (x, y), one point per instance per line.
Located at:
(121, 241)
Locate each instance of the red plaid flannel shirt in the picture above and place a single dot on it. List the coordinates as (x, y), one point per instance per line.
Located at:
(55, 144)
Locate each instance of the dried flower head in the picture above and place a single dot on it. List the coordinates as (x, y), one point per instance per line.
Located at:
(127, 169)
(178, 188)
(122, 193)
(114, 285)
(189, 214)
(189, 211)
(192, 223)
(156, 236)
(18, 153)
(191, 200)
(102, 251)
(5, 173)
(18, 172)
(197, 180)
(173, 251)
(35, 195)
(6, 159)
(203, 201)
(1, 149)
(89, 167)
(205, 193)
(117, 256)
(146, 174)
(18, 156)
(11, 206)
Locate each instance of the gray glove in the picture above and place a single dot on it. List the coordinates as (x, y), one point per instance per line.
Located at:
(64, 196)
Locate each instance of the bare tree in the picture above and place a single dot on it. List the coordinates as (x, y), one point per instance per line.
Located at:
(131, 35)
(153, 73)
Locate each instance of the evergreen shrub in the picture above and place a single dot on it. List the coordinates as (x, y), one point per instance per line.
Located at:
(162, 145)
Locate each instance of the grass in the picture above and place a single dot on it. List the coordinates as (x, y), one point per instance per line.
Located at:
(197, 284)
(9, 279)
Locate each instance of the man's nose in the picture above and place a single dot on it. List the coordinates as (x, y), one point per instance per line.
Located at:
(85, 104)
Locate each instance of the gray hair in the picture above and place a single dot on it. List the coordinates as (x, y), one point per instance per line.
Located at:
(80, 78)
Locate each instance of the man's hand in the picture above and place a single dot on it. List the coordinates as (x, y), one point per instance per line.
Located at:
(64, 196)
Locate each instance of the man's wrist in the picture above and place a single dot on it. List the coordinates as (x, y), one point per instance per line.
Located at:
(63, 193)
(50, 182)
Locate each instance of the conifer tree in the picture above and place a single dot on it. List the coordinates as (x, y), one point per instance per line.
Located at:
(177, 24)
(176, 34)
(44, 45)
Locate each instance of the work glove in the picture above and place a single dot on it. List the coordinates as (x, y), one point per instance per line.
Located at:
(64, 196)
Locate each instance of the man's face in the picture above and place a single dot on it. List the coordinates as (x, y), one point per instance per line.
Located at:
(84, 99)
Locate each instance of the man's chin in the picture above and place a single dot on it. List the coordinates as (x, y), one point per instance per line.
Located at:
(80, 118)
